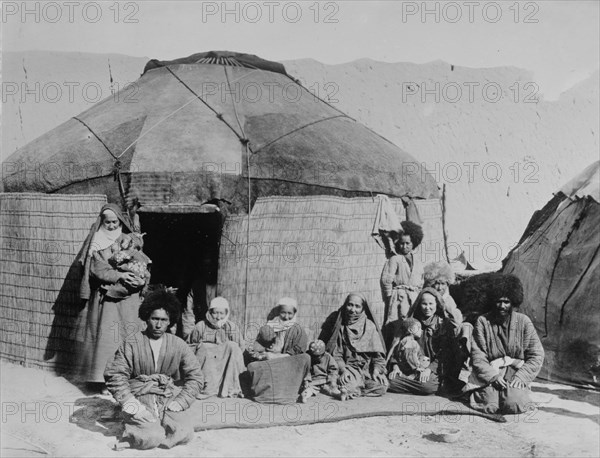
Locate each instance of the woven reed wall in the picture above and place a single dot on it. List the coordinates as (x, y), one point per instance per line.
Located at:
(40, 236)
(315, 249)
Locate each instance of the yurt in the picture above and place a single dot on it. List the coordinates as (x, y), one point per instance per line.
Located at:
(245, 183)
(557, 261)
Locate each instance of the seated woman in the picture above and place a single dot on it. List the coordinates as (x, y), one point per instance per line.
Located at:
(439, 276)
(354, 340)
(281, 368)
(217, 343)
(440, 326)
(402, 277)
(141, 378)
(507, 352)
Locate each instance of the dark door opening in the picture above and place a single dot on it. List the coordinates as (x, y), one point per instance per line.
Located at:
(184, 248)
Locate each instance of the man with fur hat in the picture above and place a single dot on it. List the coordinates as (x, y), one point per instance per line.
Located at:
(506, 335)
(439, 276)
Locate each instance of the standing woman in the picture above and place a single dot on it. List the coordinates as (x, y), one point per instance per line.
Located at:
(109, 319)
(440, 326)
(354, 340)
(402, 275)
(217, 343)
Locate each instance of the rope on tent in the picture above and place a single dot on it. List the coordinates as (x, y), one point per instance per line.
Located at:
(300, 128)
(247, 149)
(581, 277)
(562, 246)
(219, 115)
(319, 98)
(562, 308)
(116, 165)
(97, 138)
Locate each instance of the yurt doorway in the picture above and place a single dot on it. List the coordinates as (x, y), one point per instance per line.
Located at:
(184, 248)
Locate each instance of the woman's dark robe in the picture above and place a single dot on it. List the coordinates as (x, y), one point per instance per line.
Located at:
(358, 354)
(280, 380)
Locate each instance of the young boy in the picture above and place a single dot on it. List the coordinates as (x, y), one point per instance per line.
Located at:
(406, 357)
(324, 371)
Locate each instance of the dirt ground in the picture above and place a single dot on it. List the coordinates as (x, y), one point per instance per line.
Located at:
(37, 409)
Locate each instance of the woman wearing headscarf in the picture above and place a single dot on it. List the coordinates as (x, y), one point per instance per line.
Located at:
(439, 276)
(439, 326)
(113, 295)
(402, 277)
(217, 343)
(280, 372)
(355, 342)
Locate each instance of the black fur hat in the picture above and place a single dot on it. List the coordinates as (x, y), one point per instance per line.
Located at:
(506, 286)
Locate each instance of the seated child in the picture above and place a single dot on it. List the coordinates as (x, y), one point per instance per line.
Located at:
(406, 358)
(324, 371)
(266, 345)
(127, 256)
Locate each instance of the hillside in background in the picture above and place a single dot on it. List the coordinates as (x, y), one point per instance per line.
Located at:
(487, 134)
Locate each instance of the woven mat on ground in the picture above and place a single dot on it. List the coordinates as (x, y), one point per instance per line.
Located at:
(219, 413)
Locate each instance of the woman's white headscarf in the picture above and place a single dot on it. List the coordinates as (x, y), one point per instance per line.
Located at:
(104, 238)
(219, 303)
(277, 323)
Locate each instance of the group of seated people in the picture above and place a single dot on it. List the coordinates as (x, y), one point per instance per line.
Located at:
(425, 348)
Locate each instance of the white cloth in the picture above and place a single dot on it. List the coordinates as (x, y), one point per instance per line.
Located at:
(103, 239)
(218, 303)
(155, 344)
(386, 223)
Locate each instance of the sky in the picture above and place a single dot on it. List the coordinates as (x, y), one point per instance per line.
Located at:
(558, 41)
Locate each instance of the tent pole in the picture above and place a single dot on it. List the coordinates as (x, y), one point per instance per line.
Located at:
(247, 149)
(444, 230)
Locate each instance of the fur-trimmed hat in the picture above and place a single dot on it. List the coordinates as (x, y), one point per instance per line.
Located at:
(439, 271)
(507, 286)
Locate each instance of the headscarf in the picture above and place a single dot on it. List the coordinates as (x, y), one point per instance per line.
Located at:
(415, 310)
(432, 324)
(361, 339)
(277, 324)
(104, 238)
(85, 254)
(221, 304)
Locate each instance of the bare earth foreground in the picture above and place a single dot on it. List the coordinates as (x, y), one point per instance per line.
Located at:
(37, 407)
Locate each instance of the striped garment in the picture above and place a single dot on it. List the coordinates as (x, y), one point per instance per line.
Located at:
(523, 343)
(134, 358)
